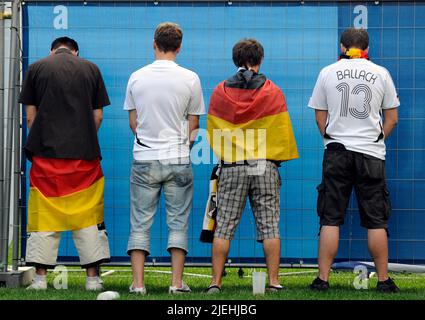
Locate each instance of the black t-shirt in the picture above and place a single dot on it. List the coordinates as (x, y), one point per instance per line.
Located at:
(65, 90)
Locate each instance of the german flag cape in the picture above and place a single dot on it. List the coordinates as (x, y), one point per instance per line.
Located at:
(249, 120)
(65, 194)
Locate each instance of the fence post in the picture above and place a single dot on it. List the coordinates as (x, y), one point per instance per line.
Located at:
(17, 146)
(11, 114)
(2, 211)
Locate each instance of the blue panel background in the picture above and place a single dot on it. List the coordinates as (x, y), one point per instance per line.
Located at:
(299, 40)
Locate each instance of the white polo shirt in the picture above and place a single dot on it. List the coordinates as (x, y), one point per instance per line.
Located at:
(163, 95)
(354, 92)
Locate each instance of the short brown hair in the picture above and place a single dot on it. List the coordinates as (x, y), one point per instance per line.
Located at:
(247, 52)
(355, 38)
(168, 36)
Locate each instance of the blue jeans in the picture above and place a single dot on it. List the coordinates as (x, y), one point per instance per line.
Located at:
(146, 181)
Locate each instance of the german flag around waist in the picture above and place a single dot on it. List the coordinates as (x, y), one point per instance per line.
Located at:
(247, 124)
(65, 194)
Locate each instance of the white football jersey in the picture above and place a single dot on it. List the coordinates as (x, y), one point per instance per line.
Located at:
(354, 91)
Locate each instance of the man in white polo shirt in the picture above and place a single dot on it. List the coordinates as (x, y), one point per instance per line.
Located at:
(164, 102)
(350, 98)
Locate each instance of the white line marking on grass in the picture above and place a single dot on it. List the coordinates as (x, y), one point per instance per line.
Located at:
(185, 273)
(289, 273)
(297, 273)
(198, 275)
(114, 276)
(107, 273)
(152, 271)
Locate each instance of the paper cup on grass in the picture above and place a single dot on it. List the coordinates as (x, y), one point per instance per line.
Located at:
(258, 282)
(108, 295)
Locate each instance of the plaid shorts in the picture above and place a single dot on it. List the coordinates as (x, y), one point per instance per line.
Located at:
(261, 184)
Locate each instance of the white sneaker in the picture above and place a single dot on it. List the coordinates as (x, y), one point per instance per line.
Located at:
(183, 289)
(134, 290)
(94, 284)
(38, 285)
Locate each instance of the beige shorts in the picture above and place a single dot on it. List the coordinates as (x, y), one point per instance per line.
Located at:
(92, 245)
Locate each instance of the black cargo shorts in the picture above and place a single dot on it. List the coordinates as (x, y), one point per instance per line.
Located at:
(344, 169)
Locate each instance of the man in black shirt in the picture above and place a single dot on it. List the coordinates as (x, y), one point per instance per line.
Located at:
(64, 96)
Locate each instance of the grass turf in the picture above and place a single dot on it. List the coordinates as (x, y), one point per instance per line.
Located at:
(234, 288)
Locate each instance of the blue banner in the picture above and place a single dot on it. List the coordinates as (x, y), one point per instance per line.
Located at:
(298, 40)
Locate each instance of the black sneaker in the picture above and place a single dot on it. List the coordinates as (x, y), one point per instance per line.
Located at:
(387, 286)
(319, 285)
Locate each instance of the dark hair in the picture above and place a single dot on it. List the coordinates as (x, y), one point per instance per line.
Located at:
(71, 44)
(248, 52)
(355, 38)
(168, 36)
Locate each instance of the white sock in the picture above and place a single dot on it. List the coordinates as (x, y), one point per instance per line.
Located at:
(93, 279)
(39, 278)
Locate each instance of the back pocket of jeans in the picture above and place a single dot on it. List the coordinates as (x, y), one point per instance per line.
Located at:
(141, 172)
(183, 175)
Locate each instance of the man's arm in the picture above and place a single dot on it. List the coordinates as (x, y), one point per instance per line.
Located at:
(132, 117)
(321, 118)
(193, 128)
(98, 117)
(31, 113)
(390, 120)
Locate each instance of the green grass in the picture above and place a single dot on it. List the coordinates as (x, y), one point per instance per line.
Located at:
(412, 286)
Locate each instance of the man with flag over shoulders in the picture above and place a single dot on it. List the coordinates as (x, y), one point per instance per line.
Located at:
(350, 98)
(64, 96)
(250, 132)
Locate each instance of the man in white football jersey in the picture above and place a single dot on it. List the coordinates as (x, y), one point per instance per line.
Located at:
(350, 99)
